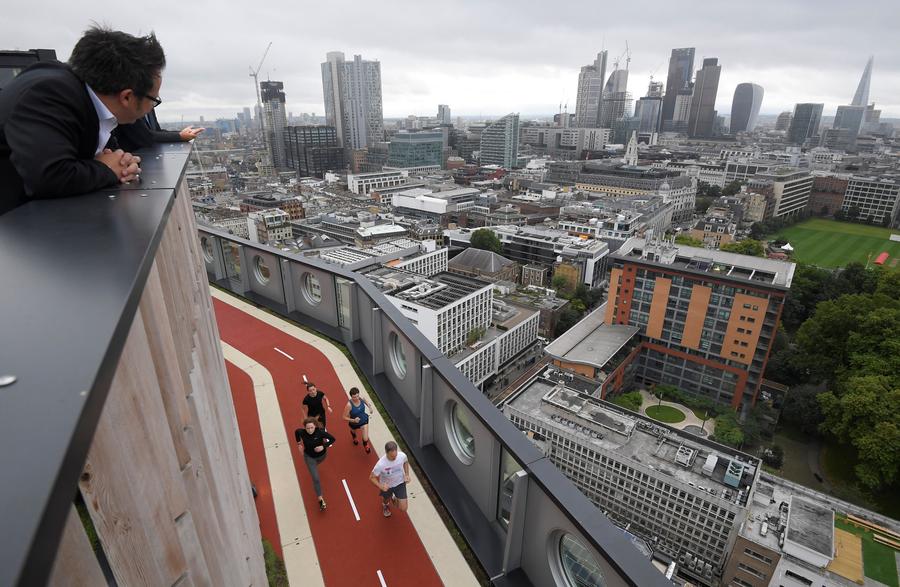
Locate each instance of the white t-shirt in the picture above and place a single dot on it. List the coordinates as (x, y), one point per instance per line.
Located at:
(390, 472)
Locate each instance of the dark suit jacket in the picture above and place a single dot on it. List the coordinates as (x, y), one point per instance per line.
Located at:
(48, 136)
(144, 133)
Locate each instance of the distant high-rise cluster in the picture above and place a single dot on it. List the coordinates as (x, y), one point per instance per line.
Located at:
(353, 102)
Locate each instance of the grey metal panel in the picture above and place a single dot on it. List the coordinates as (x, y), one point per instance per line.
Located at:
(326, 309)
(482, 474)
(409, 386)
(544, 524)
(584, 519)
(273, 288)
(74, 270)
(363, 312)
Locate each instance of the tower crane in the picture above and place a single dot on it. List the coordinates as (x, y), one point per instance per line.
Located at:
(255, 75)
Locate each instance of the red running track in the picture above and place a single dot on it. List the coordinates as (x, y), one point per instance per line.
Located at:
(350, 552)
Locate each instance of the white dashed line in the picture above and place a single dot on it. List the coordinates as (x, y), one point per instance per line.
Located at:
(284, 353)
(350, 497)
(381, 578)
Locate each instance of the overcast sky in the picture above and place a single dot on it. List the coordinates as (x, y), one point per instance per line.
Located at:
(486, 57)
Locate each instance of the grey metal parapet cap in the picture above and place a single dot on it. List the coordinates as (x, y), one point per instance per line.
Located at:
(75, 268)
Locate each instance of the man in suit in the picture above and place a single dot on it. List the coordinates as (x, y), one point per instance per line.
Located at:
(56, 120)
(146, 132)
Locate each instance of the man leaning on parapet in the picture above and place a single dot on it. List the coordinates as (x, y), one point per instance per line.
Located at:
(56, 119)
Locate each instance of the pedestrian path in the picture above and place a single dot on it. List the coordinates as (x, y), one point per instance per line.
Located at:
(351, 543)
(690, 419)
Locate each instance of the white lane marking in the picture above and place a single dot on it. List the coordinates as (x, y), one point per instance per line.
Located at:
(350, 497)
(283, 353)
(305, 380)
(381, 578)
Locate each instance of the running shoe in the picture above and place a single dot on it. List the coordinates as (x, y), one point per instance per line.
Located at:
(386, 510)
(322, 505)
(368, 449)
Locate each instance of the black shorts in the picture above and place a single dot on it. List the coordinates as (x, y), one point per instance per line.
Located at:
(355, 426)
(319, 417)
(398, 491)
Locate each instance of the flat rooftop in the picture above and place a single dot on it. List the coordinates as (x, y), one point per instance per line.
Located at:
(744, 268)
(591, 341)
(811, 525)
(433, 292)
(595, 422)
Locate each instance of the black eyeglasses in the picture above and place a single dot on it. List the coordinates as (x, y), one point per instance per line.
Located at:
(155, 99)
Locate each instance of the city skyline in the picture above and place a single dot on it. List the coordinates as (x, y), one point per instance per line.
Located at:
(795, 57)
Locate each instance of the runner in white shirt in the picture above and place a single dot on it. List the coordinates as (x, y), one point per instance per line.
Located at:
(390, 476)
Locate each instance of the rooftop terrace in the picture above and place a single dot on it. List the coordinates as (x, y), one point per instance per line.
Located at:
(722, 264)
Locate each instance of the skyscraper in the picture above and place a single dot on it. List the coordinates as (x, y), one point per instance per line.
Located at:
(353, 104)
(616, 99)
(500, 142)
(590, 93)
(272, 96)
(745, 107)
(681, 66)
(805, 122)
(783, 122)
(861, 97)
(703, 102)
(649, 109)
(443, 114)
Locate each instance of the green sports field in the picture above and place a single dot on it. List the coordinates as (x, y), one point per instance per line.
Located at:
(829, 243)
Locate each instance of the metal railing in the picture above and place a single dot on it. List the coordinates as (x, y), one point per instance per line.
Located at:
(511, 504)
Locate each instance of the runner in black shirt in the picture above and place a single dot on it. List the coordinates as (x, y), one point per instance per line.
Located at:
(315, 442)
(313, 403)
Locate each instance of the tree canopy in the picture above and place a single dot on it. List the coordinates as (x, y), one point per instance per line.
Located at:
(484, 238)
(852, 345)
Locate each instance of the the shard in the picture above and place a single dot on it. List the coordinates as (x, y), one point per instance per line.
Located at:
(861, 97)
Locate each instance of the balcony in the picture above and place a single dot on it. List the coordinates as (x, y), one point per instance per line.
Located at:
(120, 393)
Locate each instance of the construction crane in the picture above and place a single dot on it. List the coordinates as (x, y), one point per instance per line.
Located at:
(255, 75)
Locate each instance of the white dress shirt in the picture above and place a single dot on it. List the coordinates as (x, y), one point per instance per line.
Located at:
(108, 122)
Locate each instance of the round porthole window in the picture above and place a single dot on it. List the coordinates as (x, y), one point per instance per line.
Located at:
(573, 564)
(312, 289)
(261, 270)
(398, 355)
(206, 247)
(460, 433)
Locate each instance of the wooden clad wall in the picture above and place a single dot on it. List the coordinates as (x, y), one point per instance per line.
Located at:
(165, 482)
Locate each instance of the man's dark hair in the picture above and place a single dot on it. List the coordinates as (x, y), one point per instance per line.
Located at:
(111, 61)
(390, 446)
